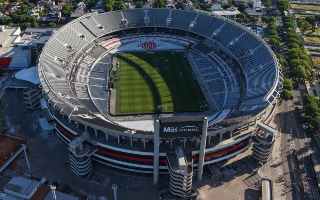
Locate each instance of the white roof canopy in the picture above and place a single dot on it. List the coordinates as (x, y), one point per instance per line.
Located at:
(29, 74)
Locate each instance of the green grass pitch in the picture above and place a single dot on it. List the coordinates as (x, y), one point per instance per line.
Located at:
(158, 82)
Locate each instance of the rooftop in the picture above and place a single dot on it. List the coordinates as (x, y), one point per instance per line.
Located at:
(8, 35)
(29, 74)
(12, 56)
(33, 36)
(21, 188)
(9, 145)
(227, 12)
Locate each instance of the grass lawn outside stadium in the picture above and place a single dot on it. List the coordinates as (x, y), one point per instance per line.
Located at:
(155, 82)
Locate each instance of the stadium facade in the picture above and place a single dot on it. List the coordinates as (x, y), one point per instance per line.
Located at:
(236, 71)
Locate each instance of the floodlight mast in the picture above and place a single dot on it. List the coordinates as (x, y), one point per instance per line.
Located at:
(115, 189)
(53, 191)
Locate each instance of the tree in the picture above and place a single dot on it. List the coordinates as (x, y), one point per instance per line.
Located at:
(90, 3)
(295, 40)
(283, 5)
(5, 20)
(287, 94)
(275, 42)
(312, 112)
(52, 24)
(298, 73)
(118, 5)
(159, 4)
(109, 5)
(304, 25)
(312, 106)
(299, 62)
(272, 31)
(139, 4)
(294, 54)
(287, 89)
(67, 9)
(289, 22)
(267, 3)
(287, 84)
(282, 60)
(312, 20)
(23, 9)
(293, 45)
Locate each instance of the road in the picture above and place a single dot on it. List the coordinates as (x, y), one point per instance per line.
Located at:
(292, 189)
(297, 151)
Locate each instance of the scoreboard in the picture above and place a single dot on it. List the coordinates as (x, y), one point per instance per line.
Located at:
(180, 128)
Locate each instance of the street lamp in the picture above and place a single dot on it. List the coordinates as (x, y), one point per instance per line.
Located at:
(53, 191)
(114, 189)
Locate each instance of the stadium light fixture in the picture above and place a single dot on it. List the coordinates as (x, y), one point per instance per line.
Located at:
(53, 191)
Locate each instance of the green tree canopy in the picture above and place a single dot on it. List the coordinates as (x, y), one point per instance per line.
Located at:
(118, 5)
(287, 84)
(267, 3)
(298, 72)
(283, 5)
(287, 94)
(304, 25)
(139, 4)
(312, 111)
(67, 9)
(52, 24)
(109, 5)
(159, 4)
(5, 20)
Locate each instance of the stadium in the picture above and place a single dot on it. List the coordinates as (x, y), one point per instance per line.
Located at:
(111, 76)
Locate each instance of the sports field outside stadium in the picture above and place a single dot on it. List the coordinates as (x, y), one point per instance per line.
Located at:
(155, 82)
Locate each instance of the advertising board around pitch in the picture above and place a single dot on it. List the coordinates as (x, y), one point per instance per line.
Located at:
(180, 128)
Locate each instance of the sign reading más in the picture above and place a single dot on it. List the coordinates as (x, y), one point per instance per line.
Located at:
(180, 129)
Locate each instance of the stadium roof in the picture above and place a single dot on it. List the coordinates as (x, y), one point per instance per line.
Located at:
(29, 74)
(67, 51)
(12, 56)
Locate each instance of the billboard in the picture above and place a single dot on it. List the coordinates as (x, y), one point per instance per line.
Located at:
(148, 45)
(180, 129)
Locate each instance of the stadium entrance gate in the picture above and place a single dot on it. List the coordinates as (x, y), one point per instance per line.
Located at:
(179, 127)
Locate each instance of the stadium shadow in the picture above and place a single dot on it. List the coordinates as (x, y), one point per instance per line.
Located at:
(148, 79)
(282, 120)
(294, 174)
(251, 194)
(228, 172)
(171, 89)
